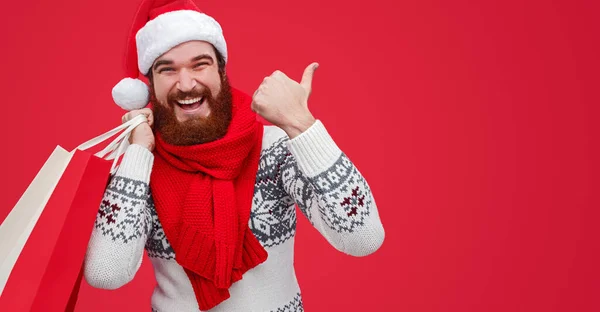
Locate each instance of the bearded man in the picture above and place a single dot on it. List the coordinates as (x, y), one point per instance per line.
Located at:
(209, 191)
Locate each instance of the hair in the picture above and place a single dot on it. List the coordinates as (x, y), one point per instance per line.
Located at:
(220, 63)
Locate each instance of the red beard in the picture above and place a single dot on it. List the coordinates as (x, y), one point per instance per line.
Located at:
(198, 130)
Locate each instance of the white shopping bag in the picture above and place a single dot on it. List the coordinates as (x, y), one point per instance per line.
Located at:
(18, 225)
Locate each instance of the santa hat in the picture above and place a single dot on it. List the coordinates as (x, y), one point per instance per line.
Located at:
(160, 25)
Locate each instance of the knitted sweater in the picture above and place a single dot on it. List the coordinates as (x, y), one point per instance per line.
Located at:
(309, 170)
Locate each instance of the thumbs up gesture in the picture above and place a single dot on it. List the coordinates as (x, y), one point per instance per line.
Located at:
(284, 102)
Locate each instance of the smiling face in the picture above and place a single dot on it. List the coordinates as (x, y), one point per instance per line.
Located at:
(191, 97)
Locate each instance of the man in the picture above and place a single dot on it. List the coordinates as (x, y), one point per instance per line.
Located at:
(208, 190)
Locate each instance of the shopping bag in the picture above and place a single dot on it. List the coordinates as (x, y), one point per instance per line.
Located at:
(45, 236)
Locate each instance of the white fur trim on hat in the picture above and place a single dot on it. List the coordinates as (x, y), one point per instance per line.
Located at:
(173, 28)
(131, 94)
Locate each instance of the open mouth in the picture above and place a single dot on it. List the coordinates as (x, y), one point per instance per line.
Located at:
(191, 104)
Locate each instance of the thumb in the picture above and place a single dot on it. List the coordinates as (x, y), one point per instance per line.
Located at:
(308, 76)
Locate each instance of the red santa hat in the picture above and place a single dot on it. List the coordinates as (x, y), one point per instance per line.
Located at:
(160, 25)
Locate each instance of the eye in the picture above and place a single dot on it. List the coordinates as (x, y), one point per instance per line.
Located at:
(197, 65)
(164, 69)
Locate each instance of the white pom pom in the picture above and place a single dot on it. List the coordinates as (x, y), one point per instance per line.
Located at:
(131, 94)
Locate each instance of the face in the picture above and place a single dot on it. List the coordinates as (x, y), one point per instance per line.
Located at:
(191, 98)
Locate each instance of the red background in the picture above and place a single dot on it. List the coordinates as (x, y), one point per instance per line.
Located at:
(472, 122)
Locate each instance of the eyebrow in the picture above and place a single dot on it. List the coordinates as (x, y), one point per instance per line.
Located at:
(162, 62)
(202, 56)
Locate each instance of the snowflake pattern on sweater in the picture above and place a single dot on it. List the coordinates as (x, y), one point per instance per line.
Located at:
(293, 306)
(121, 198)
(341, 193)
(336, 200)
(157, 244)
(273, 217)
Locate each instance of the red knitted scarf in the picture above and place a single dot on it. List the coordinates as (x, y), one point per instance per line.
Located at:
(203, 195)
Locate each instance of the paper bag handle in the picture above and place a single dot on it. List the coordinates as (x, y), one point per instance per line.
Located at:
(116, 148)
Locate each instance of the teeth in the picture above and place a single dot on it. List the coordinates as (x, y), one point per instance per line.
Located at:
(190, 101)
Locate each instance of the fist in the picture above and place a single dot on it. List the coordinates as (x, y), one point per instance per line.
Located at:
(284, 102)
(142, 134)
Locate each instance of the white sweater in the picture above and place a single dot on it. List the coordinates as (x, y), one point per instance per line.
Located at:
(309, 170)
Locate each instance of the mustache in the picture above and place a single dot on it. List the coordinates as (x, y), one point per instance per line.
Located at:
(194, 93)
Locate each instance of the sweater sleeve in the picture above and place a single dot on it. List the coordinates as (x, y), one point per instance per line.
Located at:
(331, 192)
(123, 223)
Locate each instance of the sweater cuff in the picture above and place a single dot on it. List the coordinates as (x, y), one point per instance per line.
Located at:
(314, 150)
(136, 163)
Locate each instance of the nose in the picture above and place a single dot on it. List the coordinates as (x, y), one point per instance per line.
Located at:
(186, 82)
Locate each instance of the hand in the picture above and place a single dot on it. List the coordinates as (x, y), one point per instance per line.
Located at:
(142, 134)
(284, 102)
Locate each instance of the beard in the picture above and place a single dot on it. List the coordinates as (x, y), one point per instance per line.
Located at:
(199, 129)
